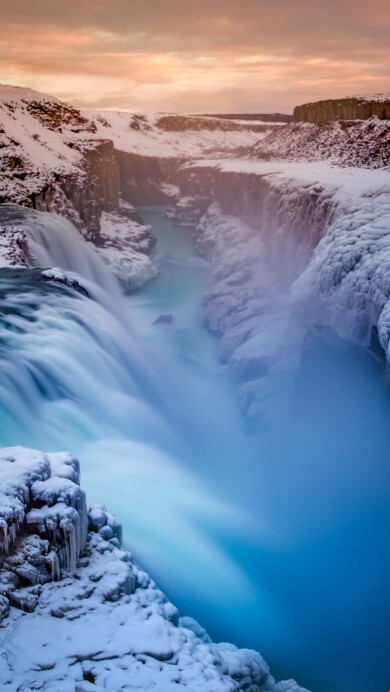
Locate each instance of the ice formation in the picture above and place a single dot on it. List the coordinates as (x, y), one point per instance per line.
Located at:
(43, 519)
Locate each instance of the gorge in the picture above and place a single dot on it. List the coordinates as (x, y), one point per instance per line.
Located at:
(267, 524)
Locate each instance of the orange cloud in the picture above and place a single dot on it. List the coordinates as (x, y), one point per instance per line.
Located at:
(255, 55)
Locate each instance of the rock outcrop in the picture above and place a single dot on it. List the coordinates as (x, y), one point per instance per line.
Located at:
(84, 195)
(97, 190)
(183, 123)
(146, 179)
(355, 108)
(43, 523)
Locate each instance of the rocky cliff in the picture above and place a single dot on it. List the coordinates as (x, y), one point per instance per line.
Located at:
(294, 247)
(83, 196)
(146, 179)
(356, 108)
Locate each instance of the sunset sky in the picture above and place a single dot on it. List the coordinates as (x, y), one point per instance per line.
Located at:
(196, 55)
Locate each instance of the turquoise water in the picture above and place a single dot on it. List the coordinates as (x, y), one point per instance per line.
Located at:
(313, 550)
(276, 541)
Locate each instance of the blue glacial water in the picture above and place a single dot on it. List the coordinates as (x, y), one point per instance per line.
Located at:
(277, 541)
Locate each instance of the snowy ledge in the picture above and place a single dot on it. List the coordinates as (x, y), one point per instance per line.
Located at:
(78, 614)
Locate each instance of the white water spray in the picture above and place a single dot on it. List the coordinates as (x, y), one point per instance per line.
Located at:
(74, 375)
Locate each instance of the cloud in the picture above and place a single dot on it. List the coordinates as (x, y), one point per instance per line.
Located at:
(208, 55)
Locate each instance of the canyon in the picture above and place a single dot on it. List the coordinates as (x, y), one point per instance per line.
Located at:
(294, 225)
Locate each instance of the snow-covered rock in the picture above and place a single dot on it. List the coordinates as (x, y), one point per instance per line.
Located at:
(79, 614)
(14, 249)
(43, 521)
(244, 304)
(363, 143)
(65, 278)
(125, 245)
(33, 144)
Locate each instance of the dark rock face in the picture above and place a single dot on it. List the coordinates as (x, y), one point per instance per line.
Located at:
(262, 117)
(184, 123)
(83, 197)
(142, 178)
(98, 189)
(342, 109)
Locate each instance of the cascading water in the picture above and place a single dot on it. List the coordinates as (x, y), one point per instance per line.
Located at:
(74, 374)
(276, 541)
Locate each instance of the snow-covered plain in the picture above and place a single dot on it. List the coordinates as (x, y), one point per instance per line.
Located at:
(145, 134)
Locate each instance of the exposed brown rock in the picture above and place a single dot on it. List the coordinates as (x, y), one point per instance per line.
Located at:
(342, 109)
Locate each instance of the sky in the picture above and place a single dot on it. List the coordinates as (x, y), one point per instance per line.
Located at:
(196, 55)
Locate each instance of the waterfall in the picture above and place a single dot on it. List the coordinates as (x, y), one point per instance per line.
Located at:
(73, 375)
(55, 242)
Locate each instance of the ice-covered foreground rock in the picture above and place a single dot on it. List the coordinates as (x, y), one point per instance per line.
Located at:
(43, 522)
(79, 614)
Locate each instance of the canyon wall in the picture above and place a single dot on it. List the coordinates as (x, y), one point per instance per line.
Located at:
(291, 218)
(342, 109)
(146, 179)
(294, 249)
(83, 196)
